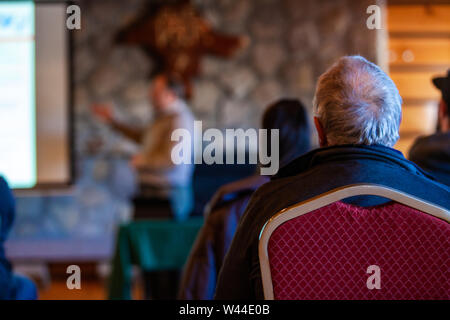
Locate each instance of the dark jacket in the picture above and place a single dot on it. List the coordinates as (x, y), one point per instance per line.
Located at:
(317, 172)
(213, 241)
(7, 209)
(432, 153)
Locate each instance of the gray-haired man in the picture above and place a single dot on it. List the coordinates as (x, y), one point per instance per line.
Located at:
(358, 113)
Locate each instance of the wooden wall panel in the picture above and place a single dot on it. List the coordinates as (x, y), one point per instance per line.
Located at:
(416, 85)
(422, 51)
(419, 18)
(419, 119)
(419, 49)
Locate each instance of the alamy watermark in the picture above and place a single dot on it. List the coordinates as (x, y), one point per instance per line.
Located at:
(73, 21)
(191, 148)
(374, 280)
(74, 280)
(374, 20)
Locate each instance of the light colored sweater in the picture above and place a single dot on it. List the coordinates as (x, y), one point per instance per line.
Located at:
(157, 168)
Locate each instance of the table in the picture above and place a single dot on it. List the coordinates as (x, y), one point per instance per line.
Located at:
(153, 245)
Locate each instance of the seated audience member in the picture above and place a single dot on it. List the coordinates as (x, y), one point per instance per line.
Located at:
(12, 287)
(159, 177)
(358, 113)
(228, 204)
(432, 153)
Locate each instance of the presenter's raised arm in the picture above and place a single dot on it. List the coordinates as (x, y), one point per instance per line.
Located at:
(104, 113)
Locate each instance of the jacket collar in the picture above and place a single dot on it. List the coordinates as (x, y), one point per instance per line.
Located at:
(349, 153)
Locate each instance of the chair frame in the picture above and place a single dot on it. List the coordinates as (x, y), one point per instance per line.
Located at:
(328, 198)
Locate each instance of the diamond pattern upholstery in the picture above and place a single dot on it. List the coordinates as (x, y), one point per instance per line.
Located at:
(325, 254)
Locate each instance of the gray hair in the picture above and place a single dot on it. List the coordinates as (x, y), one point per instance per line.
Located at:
(357, 103)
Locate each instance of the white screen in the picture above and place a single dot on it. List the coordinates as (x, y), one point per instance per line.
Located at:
(34, 94)
(17, 91)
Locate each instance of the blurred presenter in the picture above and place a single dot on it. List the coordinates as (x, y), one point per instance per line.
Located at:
(159, 179)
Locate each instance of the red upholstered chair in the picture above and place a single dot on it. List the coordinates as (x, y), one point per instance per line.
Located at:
(323, 248)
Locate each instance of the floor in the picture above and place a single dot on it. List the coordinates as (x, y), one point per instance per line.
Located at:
(90, 290)
(57, 290)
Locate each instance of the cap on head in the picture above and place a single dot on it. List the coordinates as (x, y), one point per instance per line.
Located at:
(443, 84)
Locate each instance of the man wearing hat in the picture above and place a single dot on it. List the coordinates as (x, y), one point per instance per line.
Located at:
(432, 153)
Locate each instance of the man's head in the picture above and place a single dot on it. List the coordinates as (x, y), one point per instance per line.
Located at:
(289, 116)
(443, 84)
(357, 103)
(164, 91)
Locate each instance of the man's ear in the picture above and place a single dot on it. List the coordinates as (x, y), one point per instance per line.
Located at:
(321, 133)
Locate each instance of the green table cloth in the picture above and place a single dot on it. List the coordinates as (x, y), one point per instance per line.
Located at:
(152, 245)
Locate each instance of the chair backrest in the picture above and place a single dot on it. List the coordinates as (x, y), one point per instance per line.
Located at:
(325, 249)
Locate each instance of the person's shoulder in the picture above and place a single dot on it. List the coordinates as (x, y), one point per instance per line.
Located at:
(231, 191)
(4, 184)
(276, 194)
(435, 192)
(420, 143)
(248, 183)
(426, 145)
(6, 195)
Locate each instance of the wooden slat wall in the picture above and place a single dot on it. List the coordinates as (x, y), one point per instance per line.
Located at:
(415, 84)
(425, 50)
(419, 18)
(412, 119)
(419, 49)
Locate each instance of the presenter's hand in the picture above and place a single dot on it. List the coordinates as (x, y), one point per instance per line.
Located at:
(244, 42)
(103, 112)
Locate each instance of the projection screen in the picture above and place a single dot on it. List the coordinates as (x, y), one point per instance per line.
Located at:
(35, 95)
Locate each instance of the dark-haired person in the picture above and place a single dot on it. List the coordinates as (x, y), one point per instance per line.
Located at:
(432, 153)
(159, 177)
(12, 287)
(357, 117)
(228, 204)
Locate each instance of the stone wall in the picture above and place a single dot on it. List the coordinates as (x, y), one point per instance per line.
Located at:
(292, 43)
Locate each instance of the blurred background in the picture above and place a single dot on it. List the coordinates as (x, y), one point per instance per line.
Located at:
(71, 214)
